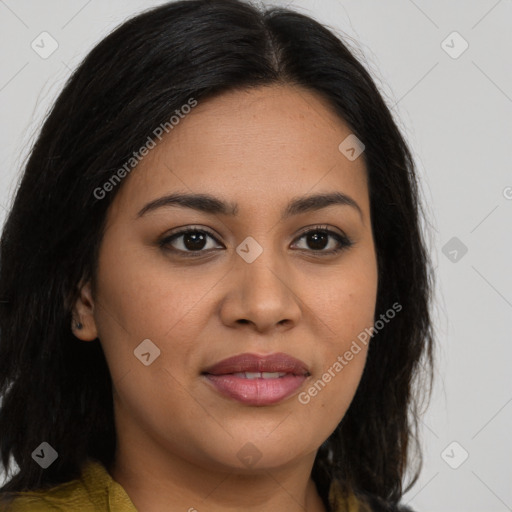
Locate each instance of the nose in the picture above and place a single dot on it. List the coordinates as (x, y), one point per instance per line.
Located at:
(262, 295)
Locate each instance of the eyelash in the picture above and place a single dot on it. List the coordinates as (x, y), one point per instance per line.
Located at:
(343, 241)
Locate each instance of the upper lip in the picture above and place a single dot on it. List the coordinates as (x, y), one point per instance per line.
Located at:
(278, 362)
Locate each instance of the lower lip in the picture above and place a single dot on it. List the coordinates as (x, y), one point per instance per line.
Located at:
(256, 391)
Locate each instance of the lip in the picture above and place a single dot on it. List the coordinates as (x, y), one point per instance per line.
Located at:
(257, 391)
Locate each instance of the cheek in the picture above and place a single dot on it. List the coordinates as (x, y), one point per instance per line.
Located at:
(328, 397)
(344, 307)
(343, 302)
(346, 310)
(139, 299)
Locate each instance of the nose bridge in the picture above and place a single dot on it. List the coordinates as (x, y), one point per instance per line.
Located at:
(260, 268)
(262, 288)
(265, 277)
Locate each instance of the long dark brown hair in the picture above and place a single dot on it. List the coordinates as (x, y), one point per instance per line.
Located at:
(59, 390)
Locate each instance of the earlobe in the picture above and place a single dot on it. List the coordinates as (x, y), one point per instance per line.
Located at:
(83, 324)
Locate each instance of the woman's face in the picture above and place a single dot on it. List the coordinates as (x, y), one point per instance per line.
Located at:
(248, 282)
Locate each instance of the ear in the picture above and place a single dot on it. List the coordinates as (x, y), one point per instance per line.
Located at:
(83, 323)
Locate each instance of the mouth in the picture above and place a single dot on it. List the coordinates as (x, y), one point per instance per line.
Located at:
(257, 380)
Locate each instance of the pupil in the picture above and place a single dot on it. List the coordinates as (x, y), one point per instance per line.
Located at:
(197, 241)
(318, 239)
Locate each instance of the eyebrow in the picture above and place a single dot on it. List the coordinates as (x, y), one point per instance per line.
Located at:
(210, 204)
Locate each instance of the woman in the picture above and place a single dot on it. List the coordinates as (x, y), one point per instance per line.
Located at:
(215, 290)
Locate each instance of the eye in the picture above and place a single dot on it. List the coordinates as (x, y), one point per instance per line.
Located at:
(319, 238)
(196, 241)
(191, 240)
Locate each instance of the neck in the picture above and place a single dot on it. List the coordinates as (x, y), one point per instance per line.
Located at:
(157, 481)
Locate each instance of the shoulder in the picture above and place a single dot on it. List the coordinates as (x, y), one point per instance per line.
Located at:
(94, 490)
(67, 496)
(377, 505)
(343, 502)
(404, 508)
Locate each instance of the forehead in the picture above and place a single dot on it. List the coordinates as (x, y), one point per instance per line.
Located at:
(254, 145)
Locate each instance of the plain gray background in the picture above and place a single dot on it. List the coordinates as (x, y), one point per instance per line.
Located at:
(455, 109)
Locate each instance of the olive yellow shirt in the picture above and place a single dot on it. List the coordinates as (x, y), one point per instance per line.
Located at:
(97, 491)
